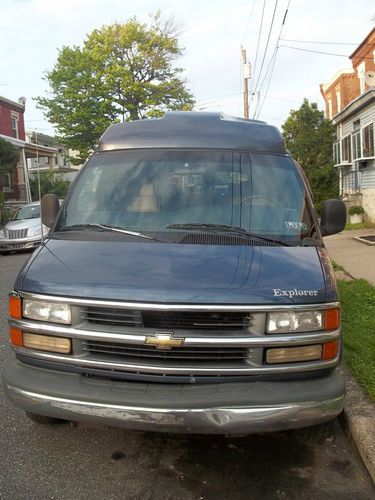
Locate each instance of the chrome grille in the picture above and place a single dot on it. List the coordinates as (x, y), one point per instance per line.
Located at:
(143, 353)
(192, 320)
(14, 234)
(112, 316)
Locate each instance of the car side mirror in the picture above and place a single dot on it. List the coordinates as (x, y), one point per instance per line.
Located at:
(333, 217)
(50, 209)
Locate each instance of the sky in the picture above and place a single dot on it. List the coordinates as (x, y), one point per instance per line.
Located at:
(211, 31)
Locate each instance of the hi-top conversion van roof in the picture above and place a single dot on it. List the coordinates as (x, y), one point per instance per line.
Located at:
(194, 130)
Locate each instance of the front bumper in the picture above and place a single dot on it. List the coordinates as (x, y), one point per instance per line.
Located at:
(226, 408)
(19, 244)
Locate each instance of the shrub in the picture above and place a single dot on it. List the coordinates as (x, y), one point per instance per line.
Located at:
(50, 182)
(356, 210)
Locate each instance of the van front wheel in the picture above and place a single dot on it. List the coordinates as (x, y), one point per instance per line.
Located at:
(42, 419)
(316, 434)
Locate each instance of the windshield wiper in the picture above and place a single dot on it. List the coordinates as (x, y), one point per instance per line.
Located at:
(101, 227)
(224, 227)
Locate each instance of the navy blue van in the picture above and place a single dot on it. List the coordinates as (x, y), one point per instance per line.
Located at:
(184, 287)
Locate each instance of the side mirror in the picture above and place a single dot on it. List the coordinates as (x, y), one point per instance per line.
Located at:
(50, 208)
(333, 217)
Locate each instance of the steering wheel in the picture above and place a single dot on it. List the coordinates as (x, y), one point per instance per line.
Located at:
(262, 197)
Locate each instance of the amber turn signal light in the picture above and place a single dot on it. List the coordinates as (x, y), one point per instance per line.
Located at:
(15, 337)
(332, 319)
(330, 350)
(15, 308)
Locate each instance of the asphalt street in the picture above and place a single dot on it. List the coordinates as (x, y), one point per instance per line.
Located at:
(65, 462)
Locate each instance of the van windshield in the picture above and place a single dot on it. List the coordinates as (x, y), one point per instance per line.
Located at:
(153, 190)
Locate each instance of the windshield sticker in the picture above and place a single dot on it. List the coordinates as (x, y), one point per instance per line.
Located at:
(300, 226)
(278, 292)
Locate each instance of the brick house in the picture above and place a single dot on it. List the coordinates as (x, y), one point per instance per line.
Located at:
(350, 105)
(15, 185)
(12, 128)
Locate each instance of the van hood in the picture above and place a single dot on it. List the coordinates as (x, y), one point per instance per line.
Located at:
(175, 273)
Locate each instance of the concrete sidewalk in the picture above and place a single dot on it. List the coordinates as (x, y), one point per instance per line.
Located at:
(358, 260)
(355, 257)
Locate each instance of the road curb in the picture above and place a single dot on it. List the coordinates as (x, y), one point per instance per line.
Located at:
(359, 417)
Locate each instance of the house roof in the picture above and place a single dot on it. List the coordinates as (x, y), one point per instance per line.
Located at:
(196, 130)
(363, 45)
(14, 104)
(32, 150)
(363, 100)
(333, 80)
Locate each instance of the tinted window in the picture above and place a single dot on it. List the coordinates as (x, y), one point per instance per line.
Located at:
(147, 191)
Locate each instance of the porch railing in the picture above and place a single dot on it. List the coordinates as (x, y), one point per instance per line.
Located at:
(350, 183)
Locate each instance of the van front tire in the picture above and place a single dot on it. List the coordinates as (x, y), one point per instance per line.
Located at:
(42, 419)
(316, 434)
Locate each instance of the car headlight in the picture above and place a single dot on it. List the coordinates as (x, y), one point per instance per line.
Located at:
(46, 311)
(287, 322)
(38, 231)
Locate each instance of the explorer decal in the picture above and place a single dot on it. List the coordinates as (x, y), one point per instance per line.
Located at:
(278, 292)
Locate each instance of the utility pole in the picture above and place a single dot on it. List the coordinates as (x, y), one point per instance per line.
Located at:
(246, 78)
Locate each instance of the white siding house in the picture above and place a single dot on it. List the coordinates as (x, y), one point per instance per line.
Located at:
(354, 152)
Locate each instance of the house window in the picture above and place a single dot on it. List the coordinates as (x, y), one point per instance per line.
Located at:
(346, 150)
(5, 185)
(356, 140)
(14, 121)
(336, 153)
(361, 77)
(368, 141)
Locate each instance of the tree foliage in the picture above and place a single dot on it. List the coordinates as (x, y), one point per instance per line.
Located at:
(9, 156)
(50, 182)
(309, 137)
(122, 72)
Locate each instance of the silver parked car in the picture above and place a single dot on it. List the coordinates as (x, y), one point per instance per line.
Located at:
(24, 230)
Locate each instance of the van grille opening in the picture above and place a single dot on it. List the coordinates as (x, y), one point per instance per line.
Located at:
(143, 354)
(191, 320)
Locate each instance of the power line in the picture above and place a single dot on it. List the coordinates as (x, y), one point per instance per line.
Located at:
(267, 43)
(268, 84)
(214, 101)
(203, 101)
(257, 49)
(271, 65)
(320, 52)
(276, 45)
(248, 22)
(315, 41)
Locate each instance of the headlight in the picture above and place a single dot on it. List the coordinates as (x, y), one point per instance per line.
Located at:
(286, 322)
(38, 231)
(46, 311)
(1, 233)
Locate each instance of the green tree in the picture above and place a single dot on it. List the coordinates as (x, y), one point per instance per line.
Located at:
(9, 156)
(122, 72)
(50, 182)
(309, 137)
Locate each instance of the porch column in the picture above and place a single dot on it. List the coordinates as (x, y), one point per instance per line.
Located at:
(26, 175)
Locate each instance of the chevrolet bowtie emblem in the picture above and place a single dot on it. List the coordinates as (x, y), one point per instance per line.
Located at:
(164, 341)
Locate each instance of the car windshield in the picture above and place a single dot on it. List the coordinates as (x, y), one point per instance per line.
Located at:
(156, 191)
(27, 212)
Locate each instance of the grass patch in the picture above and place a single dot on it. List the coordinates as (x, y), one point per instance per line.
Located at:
(361, 225)
(337, 267)
(357, 299)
